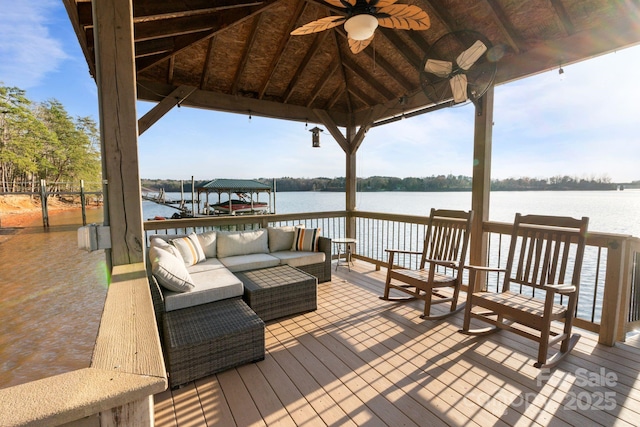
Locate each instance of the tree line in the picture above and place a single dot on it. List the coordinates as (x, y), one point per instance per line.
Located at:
(40, 140)
(386, 183)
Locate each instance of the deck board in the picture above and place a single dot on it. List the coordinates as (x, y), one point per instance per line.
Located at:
(358, 360)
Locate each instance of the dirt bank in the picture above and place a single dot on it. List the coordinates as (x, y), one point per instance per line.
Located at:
(21, 210)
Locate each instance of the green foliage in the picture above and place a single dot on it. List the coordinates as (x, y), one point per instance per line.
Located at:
(41, 141)
(386, 183)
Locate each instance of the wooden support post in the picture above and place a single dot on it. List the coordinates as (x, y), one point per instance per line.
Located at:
(481, 182)
(612, 299)
(43, 203)
(116, 80)
(350, 185)
(83, 202)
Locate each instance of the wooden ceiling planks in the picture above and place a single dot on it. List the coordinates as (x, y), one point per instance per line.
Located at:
(240, 52)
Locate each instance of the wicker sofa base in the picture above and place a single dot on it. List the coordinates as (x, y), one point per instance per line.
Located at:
(202, 340)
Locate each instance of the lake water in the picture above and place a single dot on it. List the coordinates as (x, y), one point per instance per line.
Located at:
(52, 294)
(608, 211)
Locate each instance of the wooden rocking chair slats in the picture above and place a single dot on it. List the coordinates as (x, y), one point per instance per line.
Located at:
(445, 245)
(545, 257)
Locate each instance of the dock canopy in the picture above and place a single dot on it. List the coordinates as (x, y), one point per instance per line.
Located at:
(244, 189)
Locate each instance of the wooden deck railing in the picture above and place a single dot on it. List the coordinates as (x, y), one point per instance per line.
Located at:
(610, 292)
(126, 370)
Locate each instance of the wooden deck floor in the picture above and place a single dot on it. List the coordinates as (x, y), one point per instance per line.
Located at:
(361, 361)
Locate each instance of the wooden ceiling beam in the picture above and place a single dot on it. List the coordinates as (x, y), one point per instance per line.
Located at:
(381, 62)
(323, 81)
(400, 46)
(235, 16)
(283, 44)
(366, 99)
(507, 30)
(180, 43)
(245, 54)
(367, 77)
(441, 13)
(154, 47)
(419, 40)
(204, 76)
(311, 53)
(335, 96)
(563, 16)
(155, 92)
(153, 10)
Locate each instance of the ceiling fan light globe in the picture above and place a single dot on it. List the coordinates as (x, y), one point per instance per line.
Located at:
(361, 27)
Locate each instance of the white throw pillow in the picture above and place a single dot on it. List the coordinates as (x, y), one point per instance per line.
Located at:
(306, 239)
(157, 242)
(281, 238)
(208, 243)
(170, 271)
(190, 249)
(231, 243)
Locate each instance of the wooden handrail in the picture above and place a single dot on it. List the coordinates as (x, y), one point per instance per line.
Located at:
(126, 371)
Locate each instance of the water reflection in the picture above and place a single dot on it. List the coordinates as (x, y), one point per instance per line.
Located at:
(51, 299)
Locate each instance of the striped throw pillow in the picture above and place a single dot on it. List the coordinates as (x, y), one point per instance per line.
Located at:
(306, 239)
(190, 249)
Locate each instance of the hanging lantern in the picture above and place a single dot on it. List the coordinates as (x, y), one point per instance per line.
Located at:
(315, 137)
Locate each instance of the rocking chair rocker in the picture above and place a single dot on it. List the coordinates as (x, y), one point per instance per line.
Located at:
(445, 247)
(544, 252)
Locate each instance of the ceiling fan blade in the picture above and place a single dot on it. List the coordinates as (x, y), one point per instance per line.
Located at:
(358, 46)
(459, 87)
(382, 3)
(341, 3)
(403, 17)
(469, 57)
(438, 67)
(319, 25)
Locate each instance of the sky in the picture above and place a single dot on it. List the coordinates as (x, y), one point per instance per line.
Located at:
(584, 123)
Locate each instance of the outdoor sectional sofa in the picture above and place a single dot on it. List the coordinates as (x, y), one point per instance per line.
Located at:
(204, 324)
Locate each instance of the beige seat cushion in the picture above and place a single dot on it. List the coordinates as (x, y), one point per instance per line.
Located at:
(209, 286)
(298, 258)
(249, 262)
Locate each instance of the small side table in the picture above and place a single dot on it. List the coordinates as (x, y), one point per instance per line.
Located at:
(343, 245)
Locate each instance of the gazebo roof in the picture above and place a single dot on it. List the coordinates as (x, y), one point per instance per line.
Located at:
(239, 56)
(235, 185)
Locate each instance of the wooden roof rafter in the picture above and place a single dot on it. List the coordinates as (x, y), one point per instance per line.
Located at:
(281, 47)
(311, 52)
(204, 76)
(324, 79)
(245, 57)
(237, 16)
(563, 16)
(367, 77)
(393, 37)
(506, 28)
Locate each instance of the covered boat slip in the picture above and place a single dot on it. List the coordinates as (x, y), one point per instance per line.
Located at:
(244, 202)
(357, 360)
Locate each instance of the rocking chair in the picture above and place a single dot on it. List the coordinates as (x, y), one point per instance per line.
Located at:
(441, 264)
(544, 252)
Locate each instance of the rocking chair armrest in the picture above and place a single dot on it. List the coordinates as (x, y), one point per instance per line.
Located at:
(561, 289)
(399, 251)
(482, 268)
(450, 264)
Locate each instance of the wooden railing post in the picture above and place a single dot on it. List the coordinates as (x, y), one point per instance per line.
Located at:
(613, 303)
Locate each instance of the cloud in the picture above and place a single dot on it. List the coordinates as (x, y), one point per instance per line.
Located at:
(28, 51)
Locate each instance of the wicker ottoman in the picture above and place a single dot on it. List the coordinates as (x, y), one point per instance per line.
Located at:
(209, 338)
(279, 291)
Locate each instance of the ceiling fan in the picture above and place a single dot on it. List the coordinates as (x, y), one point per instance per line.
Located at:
(362, 17)
(458, 66)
